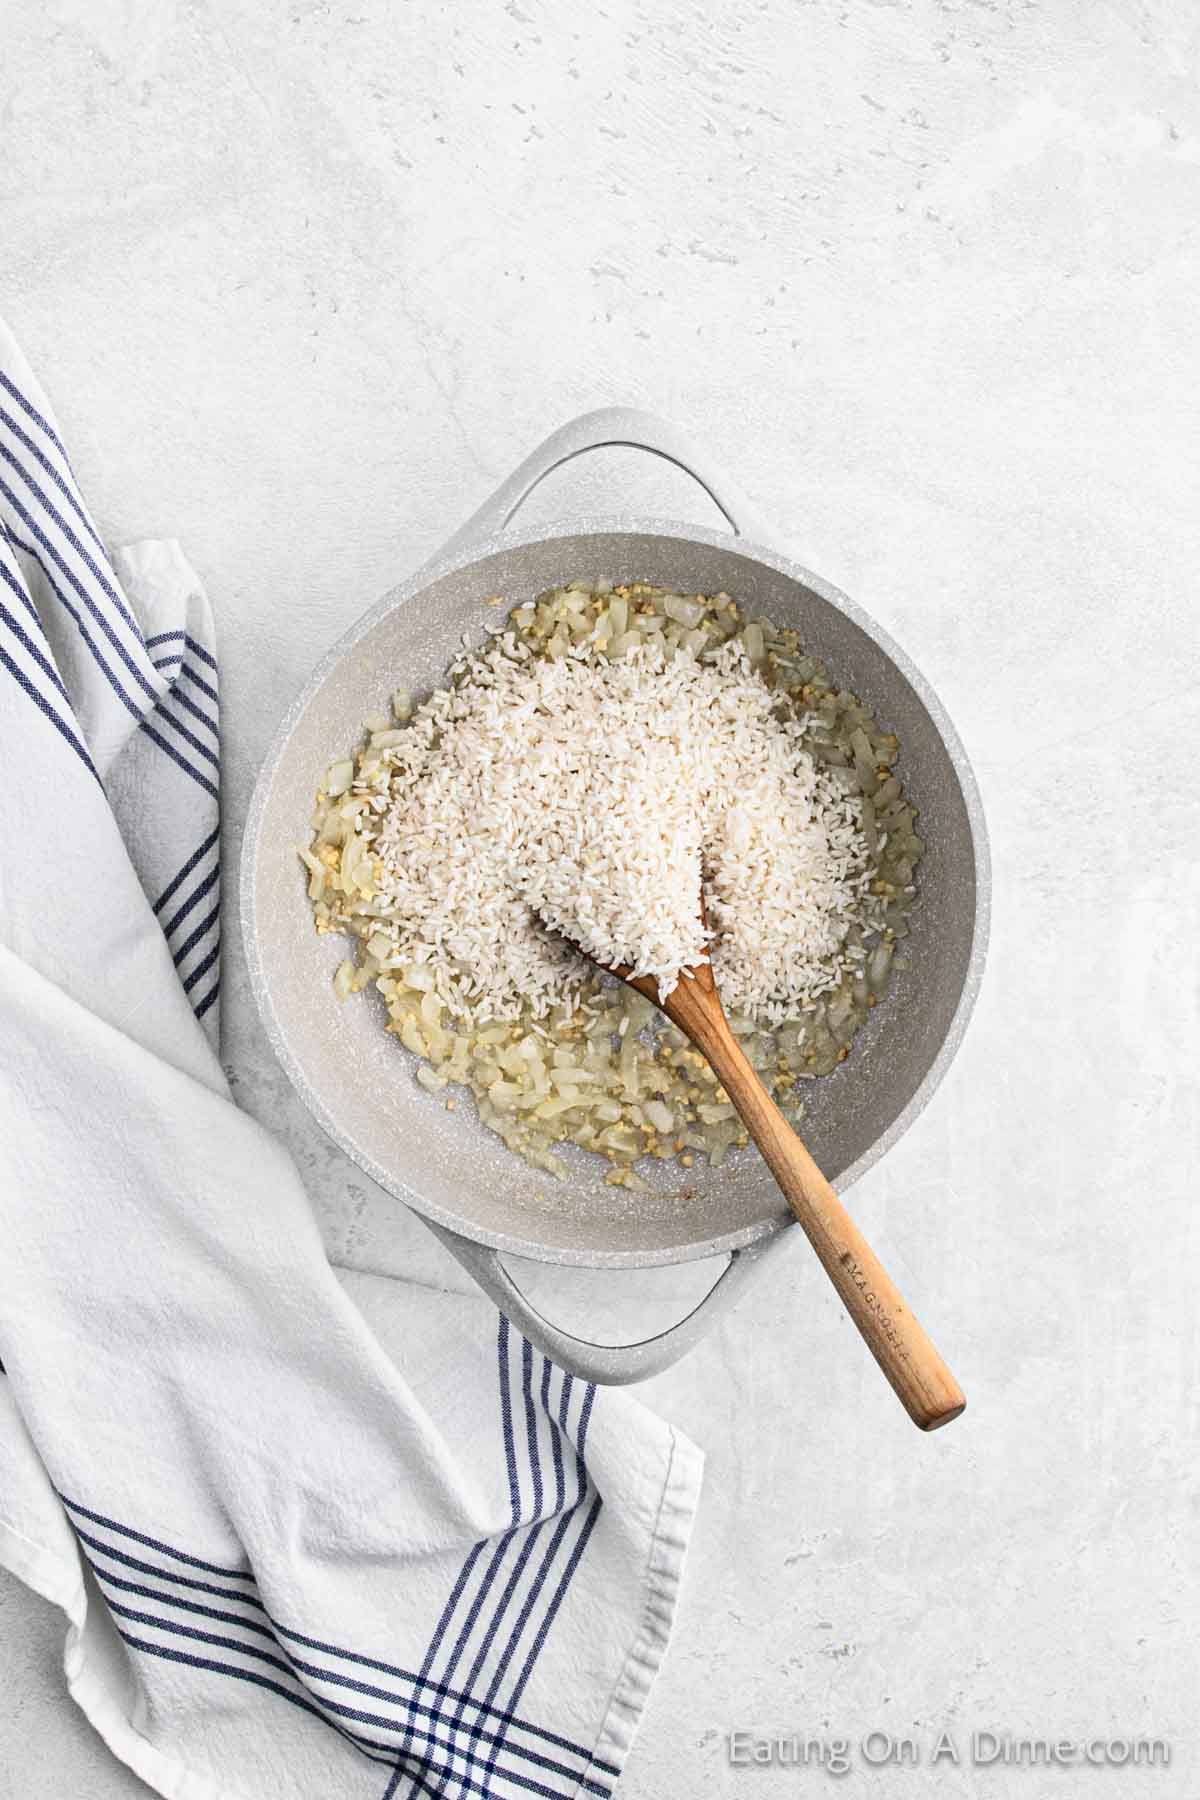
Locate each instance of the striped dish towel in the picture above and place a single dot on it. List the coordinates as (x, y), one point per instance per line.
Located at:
(314, 1533)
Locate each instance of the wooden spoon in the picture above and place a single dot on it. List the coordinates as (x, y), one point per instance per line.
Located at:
(896, 1340)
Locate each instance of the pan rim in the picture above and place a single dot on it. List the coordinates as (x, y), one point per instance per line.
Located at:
(619, 524)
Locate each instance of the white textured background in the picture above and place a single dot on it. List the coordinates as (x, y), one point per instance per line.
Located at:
(305, 280)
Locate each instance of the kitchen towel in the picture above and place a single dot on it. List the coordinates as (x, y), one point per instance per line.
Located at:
(315, 1534)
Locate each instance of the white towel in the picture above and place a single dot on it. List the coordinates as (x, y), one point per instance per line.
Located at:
(314, 1535)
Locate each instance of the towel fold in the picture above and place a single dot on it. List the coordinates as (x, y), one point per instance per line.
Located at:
(315, 1533)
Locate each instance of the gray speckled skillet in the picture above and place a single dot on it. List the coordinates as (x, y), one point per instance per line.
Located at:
(475, 1195)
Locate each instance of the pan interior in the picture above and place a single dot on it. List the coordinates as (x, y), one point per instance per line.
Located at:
(358, 1080)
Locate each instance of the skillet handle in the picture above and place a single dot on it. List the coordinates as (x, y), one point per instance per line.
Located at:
(613, 426)
(609, 1365)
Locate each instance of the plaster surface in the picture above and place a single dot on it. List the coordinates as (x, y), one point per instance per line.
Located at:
(305, 280)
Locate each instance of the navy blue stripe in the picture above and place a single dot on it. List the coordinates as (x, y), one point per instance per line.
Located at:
(489, 1636)
(43, 662)
(197, 712)
(165, 1598)
(199, 650)
(198, 682)
(262, 1681)
(539, 1580)
(144, 1568)
(185, 637)
(198, 1636)
(506, 1423)
(63, 486)
(552, 1610)
(531, 1537)
(80, 550)
(202, 1006)
(392, 1785)
(107, 1579)
(473, 1556)
(138, 674)
(31, 410)
(171, 888)
(322, 1705)
(531, 1599)
(193, 937)
(319, 1708)
(130, 705)
(202, 968)
(477, 1605)
(197, 777)
(502, 1715)
(167, 662)
(410, 1705)
(461, 1783)
(560, 1486)
(44, 706)
(134, 708)
(536, 1587)
(435, 1642)
(543, 1631)
(564, 1401)
(27, 407)
(197, 744)
(326, 1649)
(430, 1735)
(528, 1782)
(531, 1430)
(197, 894)
(514, 1493)
(585, 1415)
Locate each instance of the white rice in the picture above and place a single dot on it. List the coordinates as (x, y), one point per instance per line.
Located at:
(593, 794)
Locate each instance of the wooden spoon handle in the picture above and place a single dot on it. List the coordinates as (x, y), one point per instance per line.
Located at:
(896, 1340)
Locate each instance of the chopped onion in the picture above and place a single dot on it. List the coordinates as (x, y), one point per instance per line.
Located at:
(683, 611)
